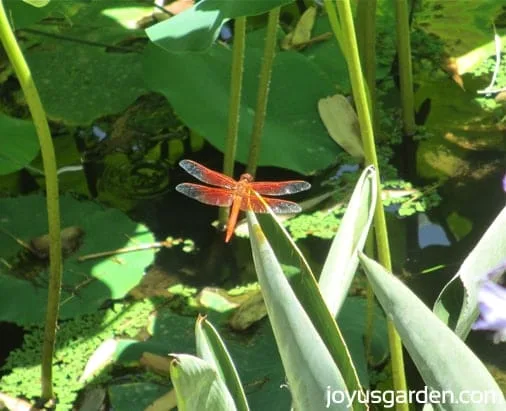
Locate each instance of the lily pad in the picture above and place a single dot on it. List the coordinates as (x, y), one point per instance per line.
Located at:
(86, 285)
(79, 82)
(467, 31)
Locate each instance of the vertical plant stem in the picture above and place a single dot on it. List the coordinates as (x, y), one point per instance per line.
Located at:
(234, 105)
(366, 38)
(336, 27)
(366, 128)
(263, 90)
(405, 68)
(53, 209)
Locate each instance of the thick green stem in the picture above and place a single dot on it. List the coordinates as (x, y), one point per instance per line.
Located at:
(53, 209)
(336, 27)
(366, 38)
(405, 70)
(263, 90)
(366, 128)
(234, 105)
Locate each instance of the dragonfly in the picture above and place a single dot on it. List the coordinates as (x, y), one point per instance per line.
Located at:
(239, 195)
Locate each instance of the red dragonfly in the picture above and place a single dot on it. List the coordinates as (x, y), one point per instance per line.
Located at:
(240, 195)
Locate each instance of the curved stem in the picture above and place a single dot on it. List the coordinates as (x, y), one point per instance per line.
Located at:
(234, 104)
(53, 209)
(263, 90)
(366, 128)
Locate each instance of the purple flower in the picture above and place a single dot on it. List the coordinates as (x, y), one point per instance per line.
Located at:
(504, 182)
(492, 305)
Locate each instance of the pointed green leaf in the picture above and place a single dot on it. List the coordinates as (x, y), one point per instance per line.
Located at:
(342, 260)
(442, 358)
(487, 255)
(309, 367)
(198, 385)
(211, 348)
(306, 289)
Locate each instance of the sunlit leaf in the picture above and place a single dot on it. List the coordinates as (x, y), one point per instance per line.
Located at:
(198, 385)
(211, 348)
(308, 364)
(486, 255)
(430, 343)
(198, 27)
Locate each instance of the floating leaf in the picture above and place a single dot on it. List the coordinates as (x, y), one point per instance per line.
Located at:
(86, 285)
(92, 80)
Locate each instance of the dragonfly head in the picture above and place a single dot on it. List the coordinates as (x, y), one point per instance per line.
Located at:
(246, 177)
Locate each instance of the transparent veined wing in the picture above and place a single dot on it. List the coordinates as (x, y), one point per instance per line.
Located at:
(279, 188)
(220, 197)
(253, 203)
(207, 175)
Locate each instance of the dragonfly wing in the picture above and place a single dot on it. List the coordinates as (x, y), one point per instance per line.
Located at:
(254, 204)
(207, 175)
(208, 195)
(279, 188)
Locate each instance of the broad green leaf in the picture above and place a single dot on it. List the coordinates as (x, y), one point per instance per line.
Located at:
(342, 260)
(341, 122)
(21, 14)
(487, 255)
(198, 385)
(92, 80)
(293, 137)
(210, 347)
(18, 144)
(309, 367)
(442, 358)
(198, 27)
(86, 285)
